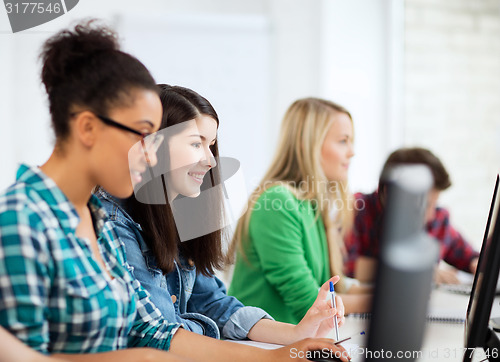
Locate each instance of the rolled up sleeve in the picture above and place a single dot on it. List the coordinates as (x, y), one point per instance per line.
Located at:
(240, 322)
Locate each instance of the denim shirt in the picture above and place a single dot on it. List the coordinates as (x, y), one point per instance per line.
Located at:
(183, 295)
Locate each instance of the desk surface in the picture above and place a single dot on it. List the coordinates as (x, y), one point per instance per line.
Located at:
(442, 341)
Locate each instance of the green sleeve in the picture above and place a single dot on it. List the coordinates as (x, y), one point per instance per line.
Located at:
(277, 235)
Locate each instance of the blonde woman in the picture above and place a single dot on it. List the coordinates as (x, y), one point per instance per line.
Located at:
(289, 242)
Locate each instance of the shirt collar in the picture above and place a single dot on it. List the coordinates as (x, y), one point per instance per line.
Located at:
(63, 209)
(119, 203)
(97, 210)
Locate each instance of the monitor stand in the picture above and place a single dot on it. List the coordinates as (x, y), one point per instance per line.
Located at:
(491, 347)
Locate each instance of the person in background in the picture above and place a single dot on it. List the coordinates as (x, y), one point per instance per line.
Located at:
(178, 274)
(66, 287)
(363, 241)
(290, 239)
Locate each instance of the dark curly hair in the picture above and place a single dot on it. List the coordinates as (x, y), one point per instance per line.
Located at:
(85, 67)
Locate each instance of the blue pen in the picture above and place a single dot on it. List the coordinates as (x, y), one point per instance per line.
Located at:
(332, 293)
(362, 333)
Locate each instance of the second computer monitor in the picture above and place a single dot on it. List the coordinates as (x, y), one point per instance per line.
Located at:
(477, 332)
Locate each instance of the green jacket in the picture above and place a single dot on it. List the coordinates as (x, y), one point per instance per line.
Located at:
(286, 256)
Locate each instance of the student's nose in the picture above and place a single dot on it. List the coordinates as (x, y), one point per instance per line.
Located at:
(209, 159)
(350, 151)
(148, 155)
(150, 145)
(153, 159)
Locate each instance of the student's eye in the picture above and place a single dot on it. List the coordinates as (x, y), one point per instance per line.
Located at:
(196, 144)
(343, 141)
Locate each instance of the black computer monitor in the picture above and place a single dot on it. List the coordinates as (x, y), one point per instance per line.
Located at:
(477, 332)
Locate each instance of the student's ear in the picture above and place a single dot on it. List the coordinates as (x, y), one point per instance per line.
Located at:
(86, 127)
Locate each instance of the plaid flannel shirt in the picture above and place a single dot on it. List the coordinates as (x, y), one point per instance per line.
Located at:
(53, 295)
(364, 239)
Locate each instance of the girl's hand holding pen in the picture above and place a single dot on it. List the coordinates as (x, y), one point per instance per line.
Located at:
(318, 321)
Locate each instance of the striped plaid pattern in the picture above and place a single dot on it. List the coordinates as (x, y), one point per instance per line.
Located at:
(53, 295)
(364, 238)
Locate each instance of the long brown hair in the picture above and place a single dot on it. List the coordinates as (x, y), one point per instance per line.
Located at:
(296, 165)
(157, 221)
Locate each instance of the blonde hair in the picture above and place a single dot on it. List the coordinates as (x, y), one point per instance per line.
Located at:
(297, 165)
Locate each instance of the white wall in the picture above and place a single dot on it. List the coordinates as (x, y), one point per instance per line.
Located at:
(362, 48)
(452, 99)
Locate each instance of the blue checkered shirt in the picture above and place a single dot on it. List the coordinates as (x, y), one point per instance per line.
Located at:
(54, 296)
